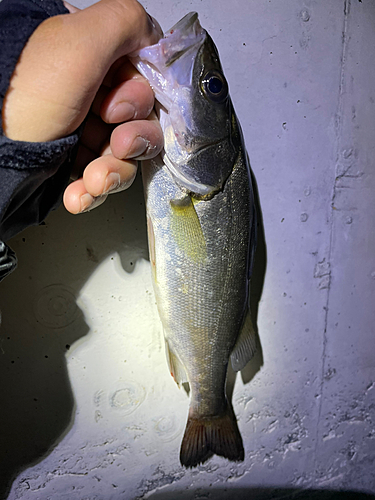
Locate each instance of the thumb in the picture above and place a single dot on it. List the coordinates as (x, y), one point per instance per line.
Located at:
(64, 63)
(108, 30)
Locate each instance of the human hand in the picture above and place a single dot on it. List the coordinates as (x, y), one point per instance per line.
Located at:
(75, 66)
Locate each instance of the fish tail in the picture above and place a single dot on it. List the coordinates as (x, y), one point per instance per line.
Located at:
(205, 436)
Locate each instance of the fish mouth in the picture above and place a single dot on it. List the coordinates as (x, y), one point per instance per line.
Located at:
(156, 62)
(177, 55)
(185, 36)
(184, 24)
(190, 30)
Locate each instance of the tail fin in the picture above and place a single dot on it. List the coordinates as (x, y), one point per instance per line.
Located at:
(204, 436)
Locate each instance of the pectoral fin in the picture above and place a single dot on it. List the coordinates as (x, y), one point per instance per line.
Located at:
(245, 346)
(187, 230)
(176, 368)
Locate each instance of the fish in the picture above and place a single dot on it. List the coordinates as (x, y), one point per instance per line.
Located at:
(201, 223)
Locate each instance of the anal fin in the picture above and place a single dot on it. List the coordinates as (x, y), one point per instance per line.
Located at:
(245, 346)
(176, 368)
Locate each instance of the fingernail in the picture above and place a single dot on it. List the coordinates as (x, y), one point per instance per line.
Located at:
(138, 147)
(156, 26)
(88, 202)
(113, 181)
(122, 112)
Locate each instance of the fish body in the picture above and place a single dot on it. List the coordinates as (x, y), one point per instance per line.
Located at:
(201, 230)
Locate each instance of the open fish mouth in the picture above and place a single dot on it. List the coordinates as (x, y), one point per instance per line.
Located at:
(184, 24)
(156, 62)
(198, 158)
(175, 57)
(183, 37)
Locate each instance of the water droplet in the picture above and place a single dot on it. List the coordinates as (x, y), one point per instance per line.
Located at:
(128, 398)
(348, 220)
(166, 428)
(303, 217)
(55, 306)
(307, 191)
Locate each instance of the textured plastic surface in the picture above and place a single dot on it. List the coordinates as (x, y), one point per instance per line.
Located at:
(104, 419)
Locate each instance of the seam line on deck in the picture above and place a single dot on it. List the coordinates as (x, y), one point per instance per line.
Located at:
(338, 130)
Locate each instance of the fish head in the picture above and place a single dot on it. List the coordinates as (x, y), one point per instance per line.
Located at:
(195, 110)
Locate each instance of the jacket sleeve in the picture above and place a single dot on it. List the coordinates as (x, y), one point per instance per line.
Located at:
(33, 176)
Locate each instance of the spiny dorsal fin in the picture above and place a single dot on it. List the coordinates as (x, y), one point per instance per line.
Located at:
(245, 346)
(176, 368)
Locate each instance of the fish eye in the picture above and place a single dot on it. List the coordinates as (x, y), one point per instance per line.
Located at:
(214, 86)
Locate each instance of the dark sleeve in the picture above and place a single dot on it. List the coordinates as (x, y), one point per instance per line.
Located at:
(33, 176)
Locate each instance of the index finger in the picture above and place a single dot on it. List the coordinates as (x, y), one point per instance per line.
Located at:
(130, 98)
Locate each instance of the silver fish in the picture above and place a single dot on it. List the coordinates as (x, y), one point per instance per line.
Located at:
(202, 231)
